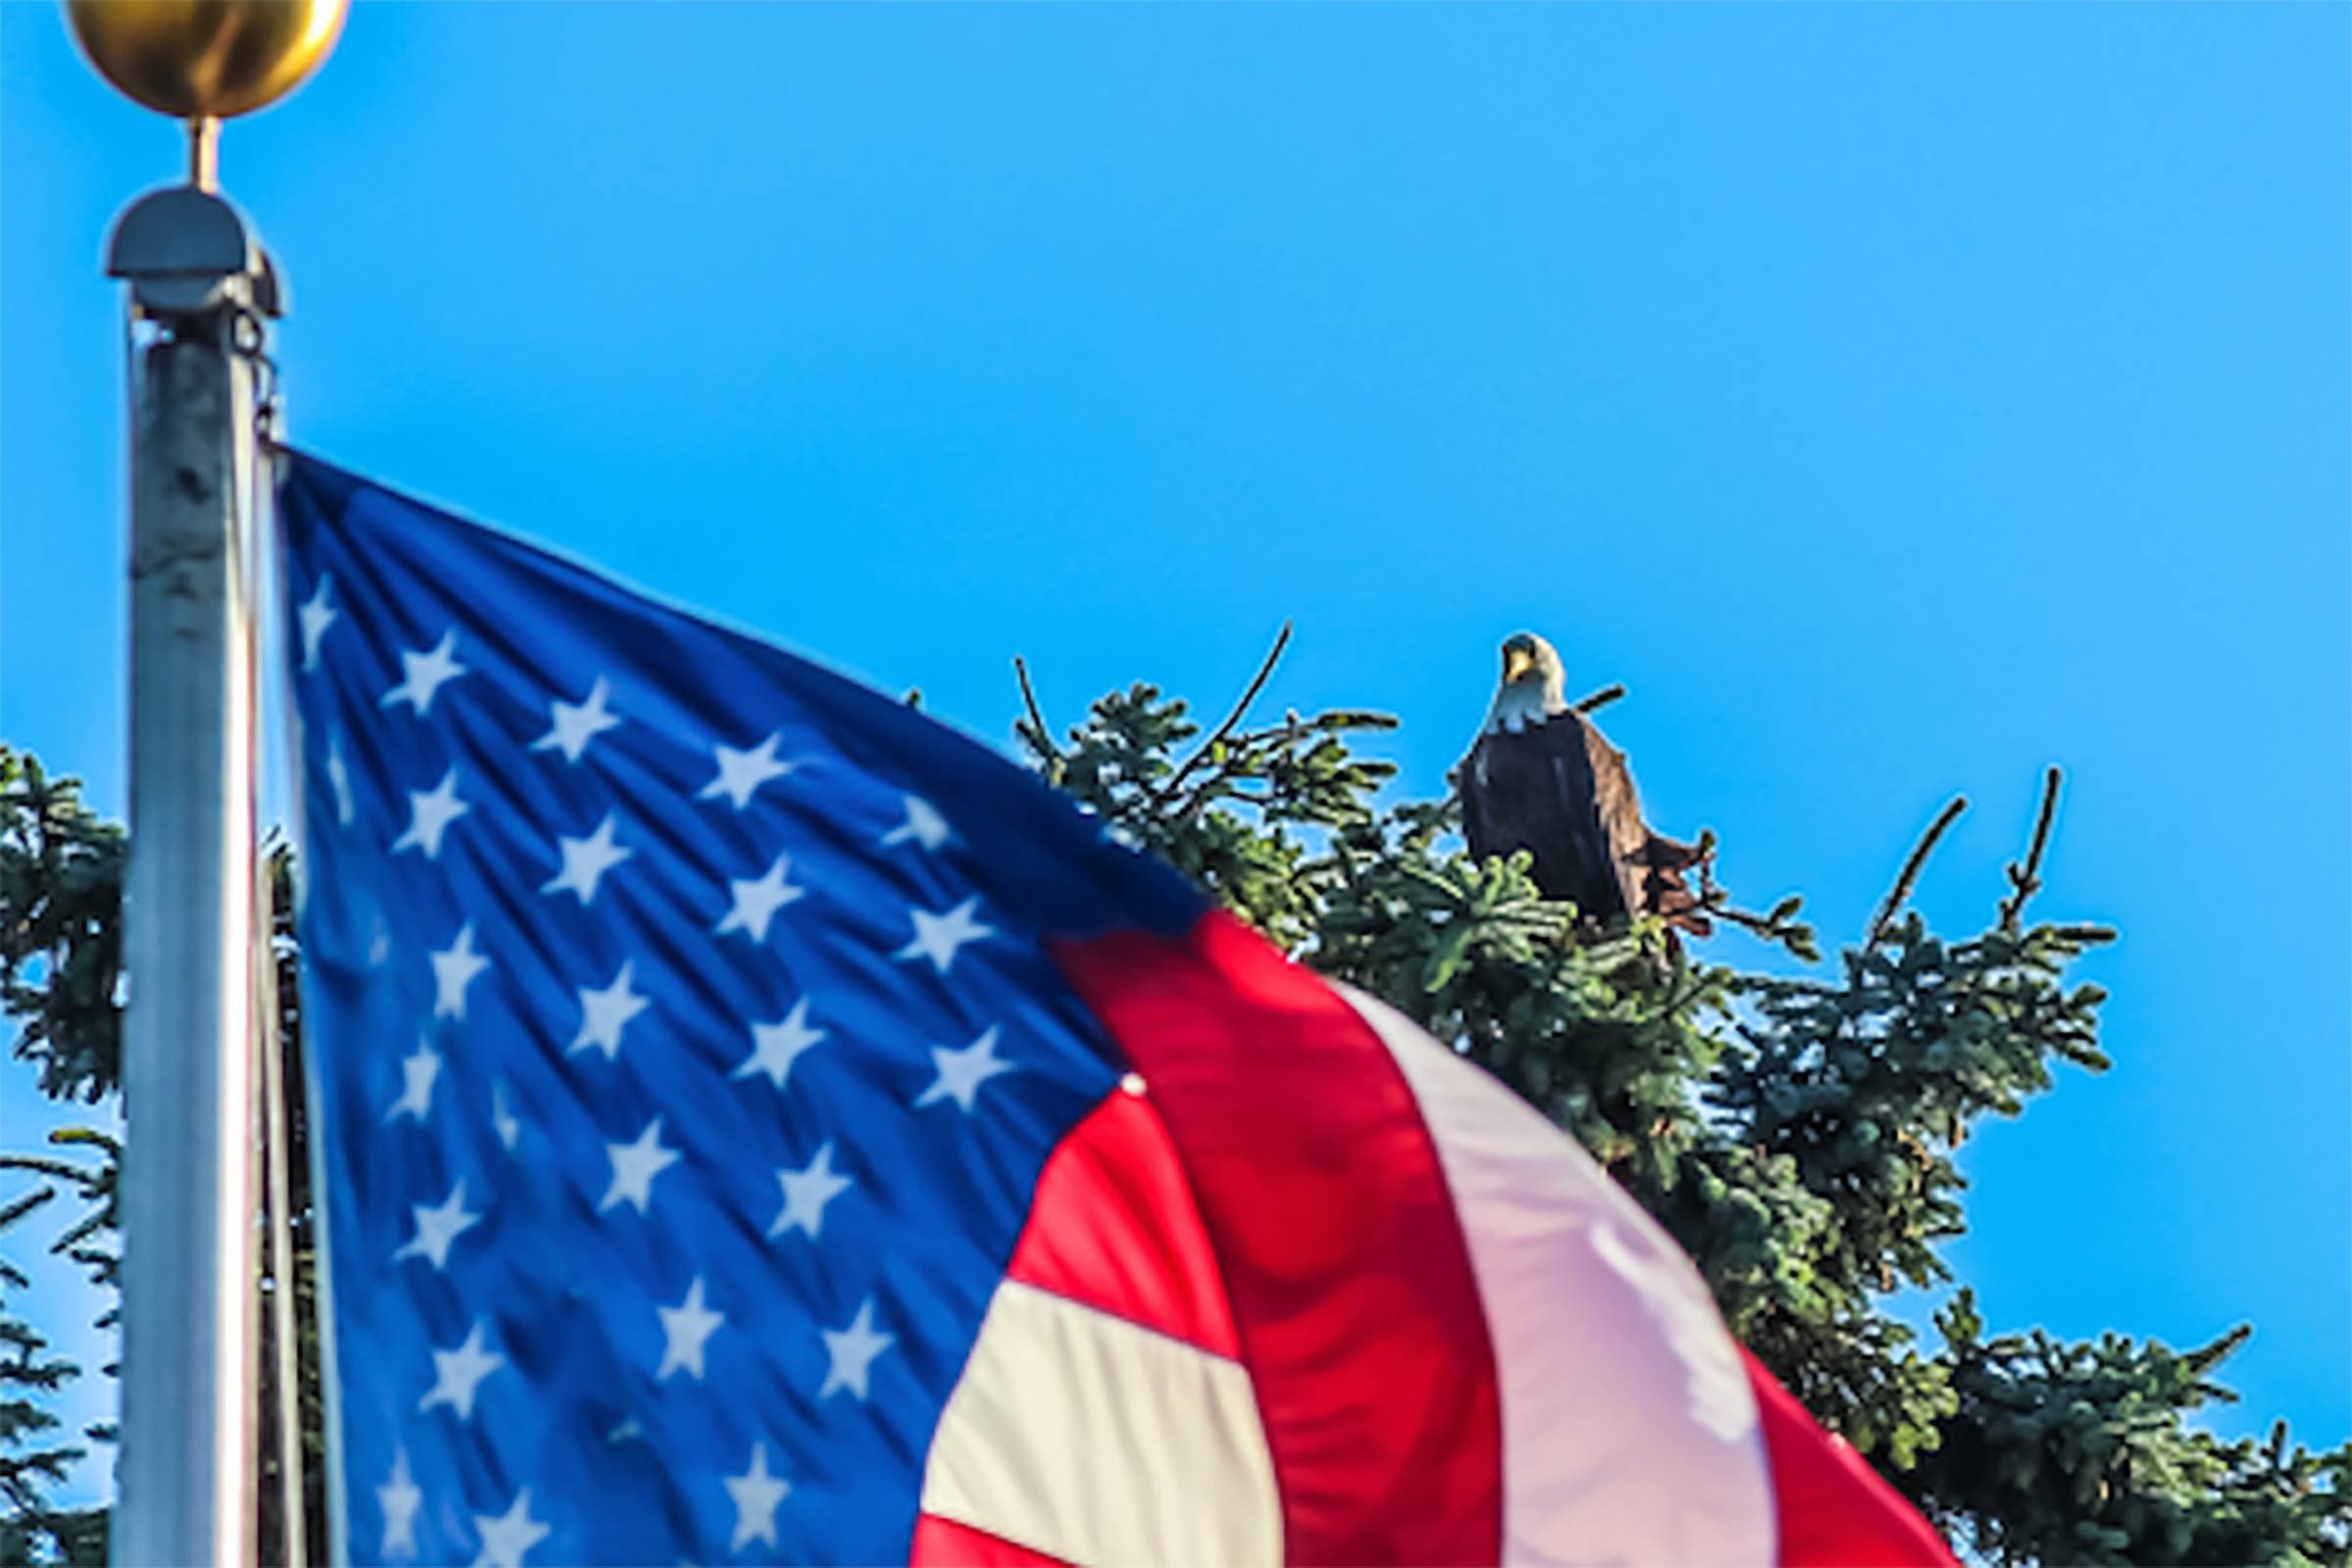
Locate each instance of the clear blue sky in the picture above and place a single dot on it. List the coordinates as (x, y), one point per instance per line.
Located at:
(1898, 399)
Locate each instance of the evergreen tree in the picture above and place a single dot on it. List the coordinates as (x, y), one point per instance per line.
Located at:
(60, 899)
(32, 1458)
(1795, 1130)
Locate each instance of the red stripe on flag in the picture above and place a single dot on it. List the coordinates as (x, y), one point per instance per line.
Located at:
(1352, 1289)
(1833, 1510)
(1112, 1226)
(945, 1544)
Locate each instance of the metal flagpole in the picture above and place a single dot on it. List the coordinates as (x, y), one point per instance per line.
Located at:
(188, 1198)
(202, 293)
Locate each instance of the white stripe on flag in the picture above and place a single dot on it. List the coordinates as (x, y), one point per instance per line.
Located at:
(1629, 1429)
(1084, 1437)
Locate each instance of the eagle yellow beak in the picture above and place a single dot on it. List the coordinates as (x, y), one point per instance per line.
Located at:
(1516, 662)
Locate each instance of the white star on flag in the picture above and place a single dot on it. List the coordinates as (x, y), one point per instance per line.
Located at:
(459, 1372)
(685, 1329)
(741, 773)
(852, 1351)
(572, 725)
(506, 1538)
(430, 811)
(605, 1014)
(317, 616)
(962, 1072)
(938, 937)
(586, 860)
(425, 672)
(756, 1493)
(418, 1070)
(806, 1192)
(437, 1226)
(454, 970)
(338, 779)
(634, 1167)
(399, 1499)
(776, 1047)
(758, 900)
(924, 825)
(503, 1120)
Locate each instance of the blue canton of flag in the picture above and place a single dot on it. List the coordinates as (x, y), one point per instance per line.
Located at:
(685, 1050)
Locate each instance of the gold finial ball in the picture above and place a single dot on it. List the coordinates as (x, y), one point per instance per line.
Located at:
(206, 57)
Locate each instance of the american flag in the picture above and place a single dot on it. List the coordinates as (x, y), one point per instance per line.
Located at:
(758, 1124)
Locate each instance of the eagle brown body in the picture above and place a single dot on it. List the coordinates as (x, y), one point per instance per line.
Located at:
(1542, 778)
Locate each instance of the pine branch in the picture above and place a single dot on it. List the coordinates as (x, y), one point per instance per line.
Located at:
(16, 1210)
(1037, 733)
(1601, 699)
(1900, 893)
(2026, 881)
(1265, 672)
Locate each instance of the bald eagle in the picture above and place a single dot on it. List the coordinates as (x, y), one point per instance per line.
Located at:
(1542, 778)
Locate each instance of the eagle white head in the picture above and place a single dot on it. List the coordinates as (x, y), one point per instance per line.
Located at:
(1534, 686)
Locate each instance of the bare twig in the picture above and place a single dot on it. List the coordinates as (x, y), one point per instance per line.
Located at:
(1265, 672)
(1778, 925)
(1041, 736)
(2025, 881)
(1714, 904)
(1601, 699)
(1900, 893)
